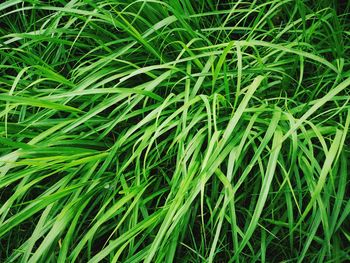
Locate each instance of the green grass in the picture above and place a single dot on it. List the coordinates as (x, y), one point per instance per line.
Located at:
(174, 131)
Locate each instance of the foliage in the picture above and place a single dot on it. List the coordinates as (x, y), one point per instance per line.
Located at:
(174, 131)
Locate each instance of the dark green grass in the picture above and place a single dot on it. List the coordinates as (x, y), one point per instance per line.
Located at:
(174, 131)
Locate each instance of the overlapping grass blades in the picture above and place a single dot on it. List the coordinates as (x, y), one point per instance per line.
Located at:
(174, 131)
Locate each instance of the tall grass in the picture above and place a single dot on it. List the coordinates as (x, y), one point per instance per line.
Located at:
(174, 131)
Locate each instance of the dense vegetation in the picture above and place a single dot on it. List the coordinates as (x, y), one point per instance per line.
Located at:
(174, 131)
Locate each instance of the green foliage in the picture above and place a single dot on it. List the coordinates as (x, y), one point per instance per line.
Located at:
(174, 131)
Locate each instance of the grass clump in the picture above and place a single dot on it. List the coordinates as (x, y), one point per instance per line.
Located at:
(174, 131)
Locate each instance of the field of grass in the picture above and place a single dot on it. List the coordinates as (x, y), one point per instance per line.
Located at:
(174, 131)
